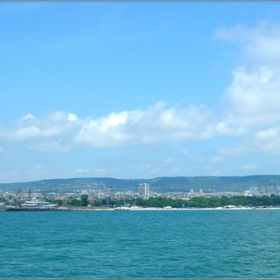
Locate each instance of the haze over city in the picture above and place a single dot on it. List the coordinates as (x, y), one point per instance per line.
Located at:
(139, 89)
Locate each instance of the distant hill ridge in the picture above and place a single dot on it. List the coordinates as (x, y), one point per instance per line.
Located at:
(160, 184)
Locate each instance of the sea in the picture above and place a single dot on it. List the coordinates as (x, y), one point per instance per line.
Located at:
(140, 244)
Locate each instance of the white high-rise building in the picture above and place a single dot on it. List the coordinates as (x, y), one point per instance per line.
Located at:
(144, 191)
(110, 193)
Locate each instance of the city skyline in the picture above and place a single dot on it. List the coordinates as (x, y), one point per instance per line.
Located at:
(139, 89)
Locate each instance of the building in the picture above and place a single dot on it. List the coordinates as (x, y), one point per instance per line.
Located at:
(110, 193)
(144, 190)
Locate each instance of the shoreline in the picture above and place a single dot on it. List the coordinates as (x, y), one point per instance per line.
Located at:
(137, 209)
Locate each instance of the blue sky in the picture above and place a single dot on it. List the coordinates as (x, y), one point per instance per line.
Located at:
(139, 89)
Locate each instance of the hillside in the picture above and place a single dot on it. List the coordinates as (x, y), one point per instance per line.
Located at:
(160, 184)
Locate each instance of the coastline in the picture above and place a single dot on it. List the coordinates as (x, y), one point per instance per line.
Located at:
(89, 209)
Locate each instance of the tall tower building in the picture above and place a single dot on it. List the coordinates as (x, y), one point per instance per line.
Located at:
(110, 194)
(144, 191)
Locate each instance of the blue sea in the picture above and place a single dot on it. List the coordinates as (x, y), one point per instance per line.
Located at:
(140, 244)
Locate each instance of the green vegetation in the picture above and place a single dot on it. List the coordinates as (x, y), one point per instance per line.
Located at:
(252, 201)
(82, 201)
(200, 202)
(160, 202)
(97, 202)
(59, 202)
(197, 202)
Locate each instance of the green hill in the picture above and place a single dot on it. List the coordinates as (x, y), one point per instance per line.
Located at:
(160, 184)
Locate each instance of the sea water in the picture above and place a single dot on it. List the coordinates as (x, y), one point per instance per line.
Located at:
(140, 244)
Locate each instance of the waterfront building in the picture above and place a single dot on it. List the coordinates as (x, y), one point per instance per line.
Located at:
(144, 191)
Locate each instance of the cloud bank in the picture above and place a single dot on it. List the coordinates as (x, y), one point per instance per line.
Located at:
(251, 113)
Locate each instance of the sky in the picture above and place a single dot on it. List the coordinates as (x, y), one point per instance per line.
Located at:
(139, 89)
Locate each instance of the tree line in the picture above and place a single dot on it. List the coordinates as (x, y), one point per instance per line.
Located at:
(199, 202)
(212, 202)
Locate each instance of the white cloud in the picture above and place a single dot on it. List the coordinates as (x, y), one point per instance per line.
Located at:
(72, 118)
(252, 111)
(81, 171)
(168, 160)
(99, 171)
(184, 152)
(105, 132)
(53, 145)
(236, 150)
(249, 167)
(217, 159)
(175, 170)
(253, 104)
(268, 140)
(28, 117)
(156, 124)
(251, 114)
(142, 165)
(253, 98)
(37, 170)
(267, 134)
(37, 167)
(260, 44)
(53, 132)
(156, 170)
(49, 126)
(60, 131)
(199, 160)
